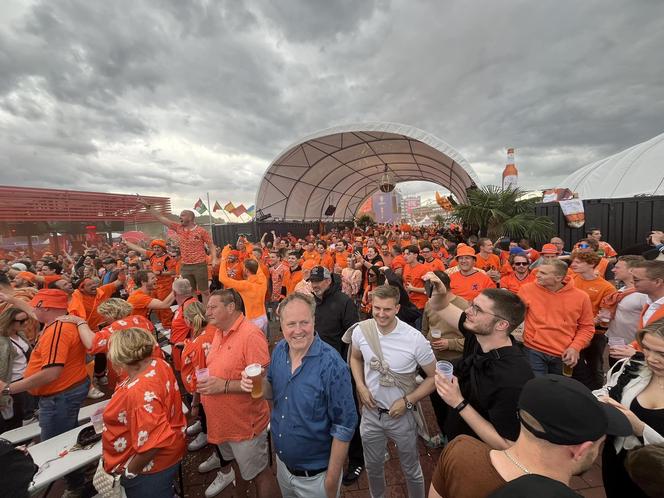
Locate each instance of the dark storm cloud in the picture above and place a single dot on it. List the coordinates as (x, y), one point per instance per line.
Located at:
(178, 98)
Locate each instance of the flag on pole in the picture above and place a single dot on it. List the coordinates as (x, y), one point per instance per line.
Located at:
(251, 210)
(217, 207)
(229, 207)
(239, 210)
(200, 207)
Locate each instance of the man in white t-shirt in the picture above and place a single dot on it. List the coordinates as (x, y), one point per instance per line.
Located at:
(387, 390)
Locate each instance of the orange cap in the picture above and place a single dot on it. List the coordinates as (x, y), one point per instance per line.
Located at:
(158, 242)
(26, 275)
(465, 251)
(50, 298)
(549, 249)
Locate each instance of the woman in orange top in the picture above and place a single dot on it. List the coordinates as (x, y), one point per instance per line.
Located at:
(119, 312)
(144, 425)
(194, 357)
(374, 279)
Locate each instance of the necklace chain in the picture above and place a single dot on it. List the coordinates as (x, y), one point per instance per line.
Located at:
(516, 462)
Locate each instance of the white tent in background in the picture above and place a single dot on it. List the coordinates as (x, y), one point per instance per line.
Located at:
(638, 170)
(328, 175)
(424, 221)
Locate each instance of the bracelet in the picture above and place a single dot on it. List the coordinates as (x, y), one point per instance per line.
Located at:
(226, 386)
(461, 406)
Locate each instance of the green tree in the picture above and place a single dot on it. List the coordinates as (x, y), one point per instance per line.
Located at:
(364, 221)
(439, 219)
(493, 212)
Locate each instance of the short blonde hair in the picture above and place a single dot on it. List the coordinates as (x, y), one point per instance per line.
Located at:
(195, 315)
(129, 346)
(115, 308)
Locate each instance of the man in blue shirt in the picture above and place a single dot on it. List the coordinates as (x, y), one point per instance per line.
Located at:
(313, 416)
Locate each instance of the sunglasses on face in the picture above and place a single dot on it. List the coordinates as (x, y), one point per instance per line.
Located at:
(520, 264)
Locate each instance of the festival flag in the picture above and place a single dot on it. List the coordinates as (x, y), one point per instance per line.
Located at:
(200, 207)
(239, 210)
(251, 210)
(229, 207)
(217, 207)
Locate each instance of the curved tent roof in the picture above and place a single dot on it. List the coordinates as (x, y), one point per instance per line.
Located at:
(342, 167)
(638, 170)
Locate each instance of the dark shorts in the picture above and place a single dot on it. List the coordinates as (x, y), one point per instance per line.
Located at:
(197, 274)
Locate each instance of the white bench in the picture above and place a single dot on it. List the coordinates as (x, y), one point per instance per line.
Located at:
(56, 469)
(33, 430)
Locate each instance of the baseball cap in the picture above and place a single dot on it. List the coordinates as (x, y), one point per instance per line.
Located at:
(319, 273)
(534, 485)
(19, 267)
(568, 411)
(549, 249)
(519, 251)
(50, 298)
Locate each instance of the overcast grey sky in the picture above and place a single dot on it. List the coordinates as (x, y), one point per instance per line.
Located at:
(179, 97)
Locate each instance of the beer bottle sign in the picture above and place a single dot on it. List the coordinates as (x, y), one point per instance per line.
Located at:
(510, 173)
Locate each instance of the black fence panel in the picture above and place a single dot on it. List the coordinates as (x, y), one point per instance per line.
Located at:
(623, 222)
(228, 234)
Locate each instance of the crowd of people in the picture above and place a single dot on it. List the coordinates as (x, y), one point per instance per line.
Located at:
(507, 343)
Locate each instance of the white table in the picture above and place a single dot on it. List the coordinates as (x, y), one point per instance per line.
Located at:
(56, 469)
(33, 430)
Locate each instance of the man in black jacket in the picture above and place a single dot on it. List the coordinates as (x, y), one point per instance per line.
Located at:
(335, 313)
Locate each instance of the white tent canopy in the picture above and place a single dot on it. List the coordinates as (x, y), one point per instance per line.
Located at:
(638, 170)
(342, 167)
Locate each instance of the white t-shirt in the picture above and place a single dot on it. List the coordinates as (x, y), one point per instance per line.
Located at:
(20, 361)
(403, 350)
(626, 321)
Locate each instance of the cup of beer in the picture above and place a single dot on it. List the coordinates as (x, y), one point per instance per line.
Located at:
(97, 420)
(567, 370)
(616, 341)
(436, 334)
(445, 368)
(202, 374)
(254, 372)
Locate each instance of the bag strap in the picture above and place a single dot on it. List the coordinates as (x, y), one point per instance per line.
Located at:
(370, 333)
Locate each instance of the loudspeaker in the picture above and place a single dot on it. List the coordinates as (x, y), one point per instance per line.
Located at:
(330, 210)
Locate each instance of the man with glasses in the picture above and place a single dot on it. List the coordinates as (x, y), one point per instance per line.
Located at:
(431, 259)
(482, 395)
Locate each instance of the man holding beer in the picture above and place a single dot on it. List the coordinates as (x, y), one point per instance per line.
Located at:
(237, 422)
(314, 415)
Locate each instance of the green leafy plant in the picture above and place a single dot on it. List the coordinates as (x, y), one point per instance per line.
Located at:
(365, 220)
(494, 212)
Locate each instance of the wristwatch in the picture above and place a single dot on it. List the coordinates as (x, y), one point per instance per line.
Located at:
(409, 405)
(461, 406)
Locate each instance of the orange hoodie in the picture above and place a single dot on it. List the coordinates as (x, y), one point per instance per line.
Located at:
(252, 289)
(556, 321)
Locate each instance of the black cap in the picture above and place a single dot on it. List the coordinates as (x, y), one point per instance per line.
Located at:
(534, 485)
(568, 412)
(319, 273)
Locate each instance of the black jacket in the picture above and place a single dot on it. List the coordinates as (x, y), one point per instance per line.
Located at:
(335, 313)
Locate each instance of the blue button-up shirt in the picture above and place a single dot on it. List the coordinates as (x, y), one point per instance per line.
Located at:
(310, 406)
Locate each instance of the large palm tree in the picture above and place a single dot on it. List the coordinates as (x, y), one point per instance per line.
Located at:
(495, 212)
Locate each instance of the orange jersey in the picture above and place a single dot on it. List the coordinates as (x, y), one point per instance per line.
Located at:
(491, 263)
(85, 306)
(412, 275)
(513, 284)
(294, 276)
(398, 263)
(341, 259)
(58, 345)
(435, 265)
(311, 256)
(597, 289)
(142, 415)
(140, 301)
(469, 287)
(327, 261)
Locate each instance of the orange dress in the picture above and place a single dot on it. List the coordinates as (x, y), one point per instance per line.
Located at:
(194, 356)
(142, 415)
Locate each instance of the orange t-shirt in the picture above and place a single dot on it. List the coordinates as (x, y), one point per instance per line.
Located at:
(58, 345)
(85, 306)
(398, 262)
(435, 265)
(140, 301)
(311, 256)
(470, 287)
(294, 276)
(513, 284)
(413, 275)
(49, 279)
(194, 356)
(341, 259)
(491, 263)
(192, 243)
(243, 416)
(327, 261)
(142, 415)
(597, 289)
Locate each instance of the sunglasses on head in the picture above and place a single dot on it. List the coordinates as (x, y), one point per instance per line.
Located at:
(584, 246)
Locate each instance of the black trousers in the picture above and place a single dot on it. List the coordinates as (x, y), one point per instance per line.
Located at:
(592, 372)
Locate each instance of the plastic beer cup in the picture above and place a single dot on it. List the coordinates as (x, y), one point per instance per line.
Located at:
(445, 368)
(436, 334)
(616, 341)
(254, 372)
(202, 374)
(97, 420)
